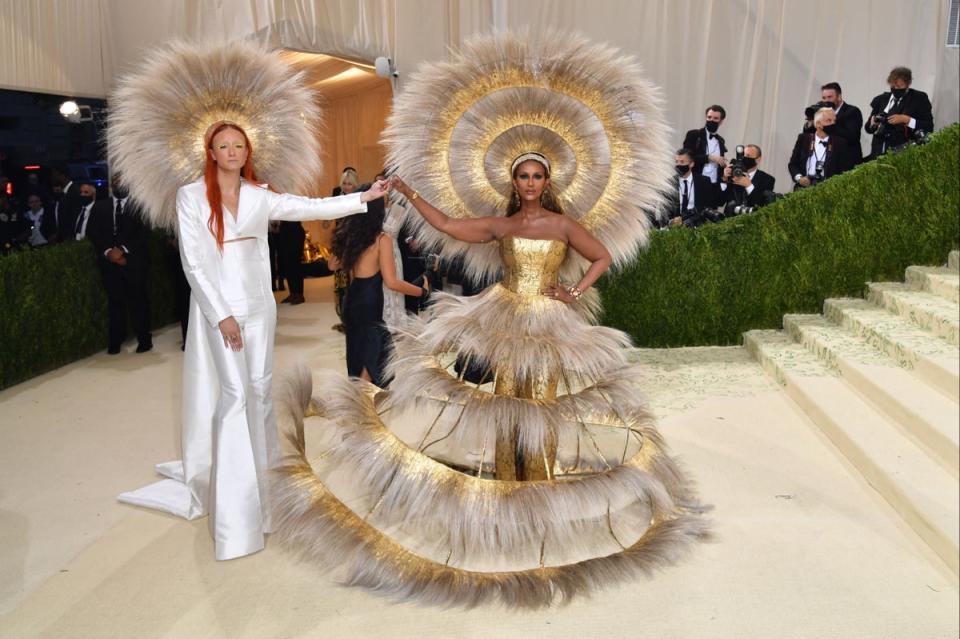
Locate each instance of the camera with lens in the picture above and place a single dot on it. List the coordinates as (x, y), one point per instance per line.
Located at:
(811, 110)
(881, 121)
(736, 164)
(818, 173)
(733, 209)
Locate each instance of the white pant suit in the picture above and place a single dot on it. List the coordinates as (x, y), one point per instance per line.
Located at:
(229, 431)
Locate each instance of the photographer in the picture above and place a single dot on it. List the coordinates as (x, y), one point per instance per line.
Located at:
(849, 118)
(821, 154)
(707, 147)
(692, 193)
(744, 184)
(898, 115)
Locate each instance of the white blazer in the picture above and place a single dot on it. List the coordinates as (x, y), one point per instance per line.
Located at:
(257, 207)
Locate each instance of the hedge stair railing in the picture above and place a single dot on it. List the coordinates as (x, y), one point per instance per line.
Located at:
(880, 377)
(705, 286)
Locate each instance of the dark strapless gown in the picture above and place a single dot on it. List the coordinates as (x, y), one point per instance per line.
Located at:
(368, 341)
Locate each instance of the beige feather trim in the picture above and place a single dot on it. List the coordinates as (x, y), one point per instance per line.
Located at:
(483, 516)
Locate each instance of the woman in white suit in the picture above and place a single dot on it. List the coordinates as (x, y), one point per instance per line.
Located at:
(229, 431)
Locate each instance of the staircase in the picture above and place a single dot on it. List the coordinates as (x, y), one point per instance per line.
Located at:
(881, 378)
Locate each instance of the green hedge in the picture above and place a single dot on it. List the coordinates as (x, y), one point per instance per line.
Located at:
(708, 285)
(53, 308)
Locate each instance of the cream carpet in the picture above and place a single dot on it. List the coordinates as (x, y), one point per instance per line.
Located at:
(805, 547)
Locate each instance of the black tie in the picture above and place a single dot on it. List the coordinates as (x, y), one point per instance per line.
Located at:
(79, 225)
(823, 142)
(709, 136)
(117, 222)
(684, 198)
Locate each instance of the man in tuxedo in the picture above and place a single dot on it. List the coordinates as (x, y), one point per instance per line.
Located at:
(822, 154)
(66, 204)
(87, 198)
(754, 187)
(707, 146)
(121, 241)
(905, 110)
(849, 118)
(39, 226)
(692, 193)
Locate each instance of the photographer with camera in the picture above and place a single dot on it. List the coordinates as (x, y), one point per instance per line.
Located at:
(900, 115)
(849, 118)
(821, 154)
(744, 184)
(707, 147)
(693, 193)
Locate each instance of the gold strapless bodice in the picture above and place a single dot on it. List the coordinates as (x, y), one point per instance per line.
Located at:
(530, 265)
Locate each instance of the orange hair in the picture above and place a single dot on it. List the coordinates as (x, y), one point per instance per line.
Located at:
(214, 197)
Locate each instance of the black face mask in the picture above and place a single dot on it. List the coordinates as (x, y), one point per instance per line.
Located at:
(749, 163)
(682, 168)
(899, 93)
(827, 103)
(830, 129)
(712, 126)
(86, 199)
(121, 192)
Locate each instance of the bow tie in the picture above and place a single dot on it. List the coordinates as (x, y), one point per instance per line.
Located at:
(823, 142)
(710, 136)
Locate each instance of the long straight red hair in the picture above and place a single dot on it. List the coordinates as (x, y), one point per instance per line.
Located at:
(214, 197)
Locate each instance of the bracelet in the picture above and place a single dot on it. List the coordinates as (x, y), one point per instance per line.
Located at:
(414, 197)
(575, 292)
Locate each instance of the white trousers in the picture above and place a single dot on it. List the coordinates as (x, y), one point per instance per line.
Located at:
(229, 433)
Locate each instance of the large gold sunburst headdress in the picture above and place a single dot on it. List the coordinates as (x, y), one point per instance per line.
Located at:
(160, 115)
(459, 125)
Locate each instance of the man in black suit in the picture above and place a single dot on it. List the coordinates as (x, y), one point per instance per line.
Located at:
(39, 225)
(120, 238)
(904, 110)
(849, 118)
(708, 147)
(822, 154)
(67, 204)
(754, 187)
(692, 193)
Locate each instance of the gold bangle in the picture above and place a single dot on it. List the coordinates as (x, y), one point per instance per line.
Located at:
(413, 197)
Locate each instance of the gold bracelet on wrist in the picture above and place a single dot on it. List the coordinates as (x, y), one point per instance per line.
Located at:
(413, 197)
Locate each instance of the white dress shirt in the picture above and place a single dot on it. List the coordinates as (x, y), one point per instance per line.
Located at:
(690, 197)
(818, 154)
(36, 219)
(85, 216)
(711, 169)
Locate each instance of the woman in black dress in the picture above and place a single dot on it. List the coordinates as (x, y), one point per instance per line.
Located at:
(365, 253)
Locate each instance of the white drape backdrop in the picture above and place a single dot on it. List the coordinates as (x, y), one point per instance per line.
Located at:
(764, 60)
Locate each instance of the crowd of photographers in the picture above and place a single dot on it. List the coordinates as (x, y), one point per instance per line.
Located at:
(710, 187)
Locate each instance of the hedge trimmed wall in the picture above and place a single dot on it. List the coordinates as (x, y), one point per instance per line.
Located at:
(708, 285)
(53, 308)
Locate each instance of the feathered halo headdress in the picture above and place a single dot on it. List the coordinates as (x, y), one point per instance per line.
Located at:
(458, 127)
(160, 117)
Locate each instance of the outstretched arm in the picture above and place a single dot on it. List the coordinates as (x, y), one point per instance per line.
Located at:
(296, 208)
(475, 231)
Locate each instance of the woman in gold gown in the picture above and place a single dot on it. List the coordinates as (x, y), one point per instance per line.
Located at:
(547, 478)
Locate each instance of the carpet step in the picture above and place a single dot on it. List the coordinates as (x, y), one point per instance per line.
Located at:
(931, 358)
(929, 312)
(924, 494)
(925, 414)
(954, 260)
(938, 280)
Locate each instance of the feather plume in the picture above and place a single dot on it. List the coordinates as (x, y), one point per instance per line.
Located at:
(159, 115)
(458, 125)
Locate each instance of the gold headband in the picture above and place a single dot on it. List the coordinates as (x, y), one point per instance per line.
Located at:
(209, 133)
(530, 155)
